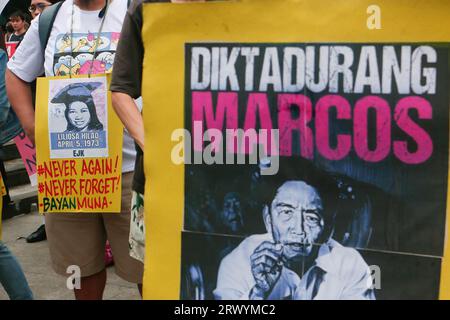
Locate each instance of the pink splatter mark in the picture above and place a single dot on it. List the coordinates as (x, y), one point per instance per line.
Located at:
(98, 67)
(90, 37)
(115, 36)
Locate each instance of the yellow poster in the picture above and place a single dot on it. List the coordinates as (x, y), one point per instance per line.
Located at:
(2, 186)
(339, 112)
(79, 146)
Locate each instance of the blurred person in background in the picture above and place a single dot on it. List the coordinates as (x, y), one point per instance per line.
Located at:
(37, 6)
(77, 239)
(18, 20)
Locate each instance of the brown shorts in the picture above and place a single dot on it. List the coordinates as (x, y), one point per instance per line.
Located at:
(79, 239)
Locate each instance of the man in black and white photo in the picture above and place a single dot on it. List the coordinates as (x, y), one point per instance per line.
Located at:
(297, 257)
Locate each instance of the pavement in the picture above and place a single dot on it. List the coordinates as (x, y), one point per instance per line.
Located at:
(35, 261)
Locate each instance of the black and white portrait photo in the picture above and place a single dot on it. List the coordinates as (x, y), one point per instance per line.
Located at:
(301, 234)
(78, 118)
(296, 258)
(357, 208)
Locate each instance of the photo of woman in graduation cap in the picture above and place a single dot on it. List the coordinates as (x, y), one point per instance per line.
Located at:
(80, 112)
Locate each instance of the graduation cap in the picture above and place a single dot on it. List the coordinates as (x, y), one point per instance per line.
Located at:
(76, 92)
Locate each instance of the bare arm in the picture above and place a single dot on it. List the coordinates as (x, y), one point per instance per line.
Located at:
(130, 116)
(19, 95)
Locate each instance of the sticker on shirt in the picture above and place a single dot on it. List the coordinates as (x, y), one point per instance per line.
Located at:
(77, 119)
(77, 57)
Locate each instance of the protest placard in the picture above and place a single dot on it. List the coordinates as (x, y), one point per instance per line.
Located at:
(78, 161)
(362, 119)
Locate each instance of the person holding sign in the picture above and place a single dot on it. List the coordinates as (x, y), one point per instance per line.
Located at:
(71, 48)
(126, 86)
